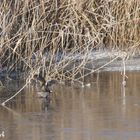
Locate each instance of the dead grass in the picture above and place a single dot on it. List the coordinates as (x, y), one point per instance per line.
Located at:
(34, 32)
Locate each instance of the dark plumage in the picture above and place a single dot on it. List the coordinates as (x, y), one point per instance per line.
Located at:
(43, 81)
(45, 93)
(46, 88)
(40, 79)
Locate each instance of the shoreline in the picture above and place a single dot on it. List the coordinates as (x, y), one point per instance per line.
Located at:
(131, 63)
(103, 60)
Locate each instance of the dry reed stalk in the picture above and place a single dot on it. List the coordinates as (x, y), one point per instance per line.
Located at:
(33, 27)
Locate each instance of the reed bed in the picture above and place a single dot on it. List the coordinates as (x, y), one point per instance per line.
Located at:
(49, 36)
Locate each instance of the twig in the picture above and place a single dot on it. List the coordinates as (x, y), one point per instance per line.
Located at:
(3, 104)
(1, 84)
(92, 71)
(124, 73)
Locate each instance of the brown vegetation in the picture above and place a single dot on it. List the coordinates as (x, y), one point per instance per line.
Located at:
(30, 28)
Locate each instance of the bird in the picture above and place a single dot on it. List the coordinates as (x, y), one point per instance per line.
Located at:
(39, 78)
(45, 91)
(44, 82)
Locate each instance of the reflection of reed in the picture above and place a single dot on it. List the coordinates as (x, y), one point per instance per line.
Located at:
(123, 95)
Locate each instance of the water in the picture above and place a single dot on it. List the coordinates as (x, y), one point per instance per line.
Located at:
(104, 111)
